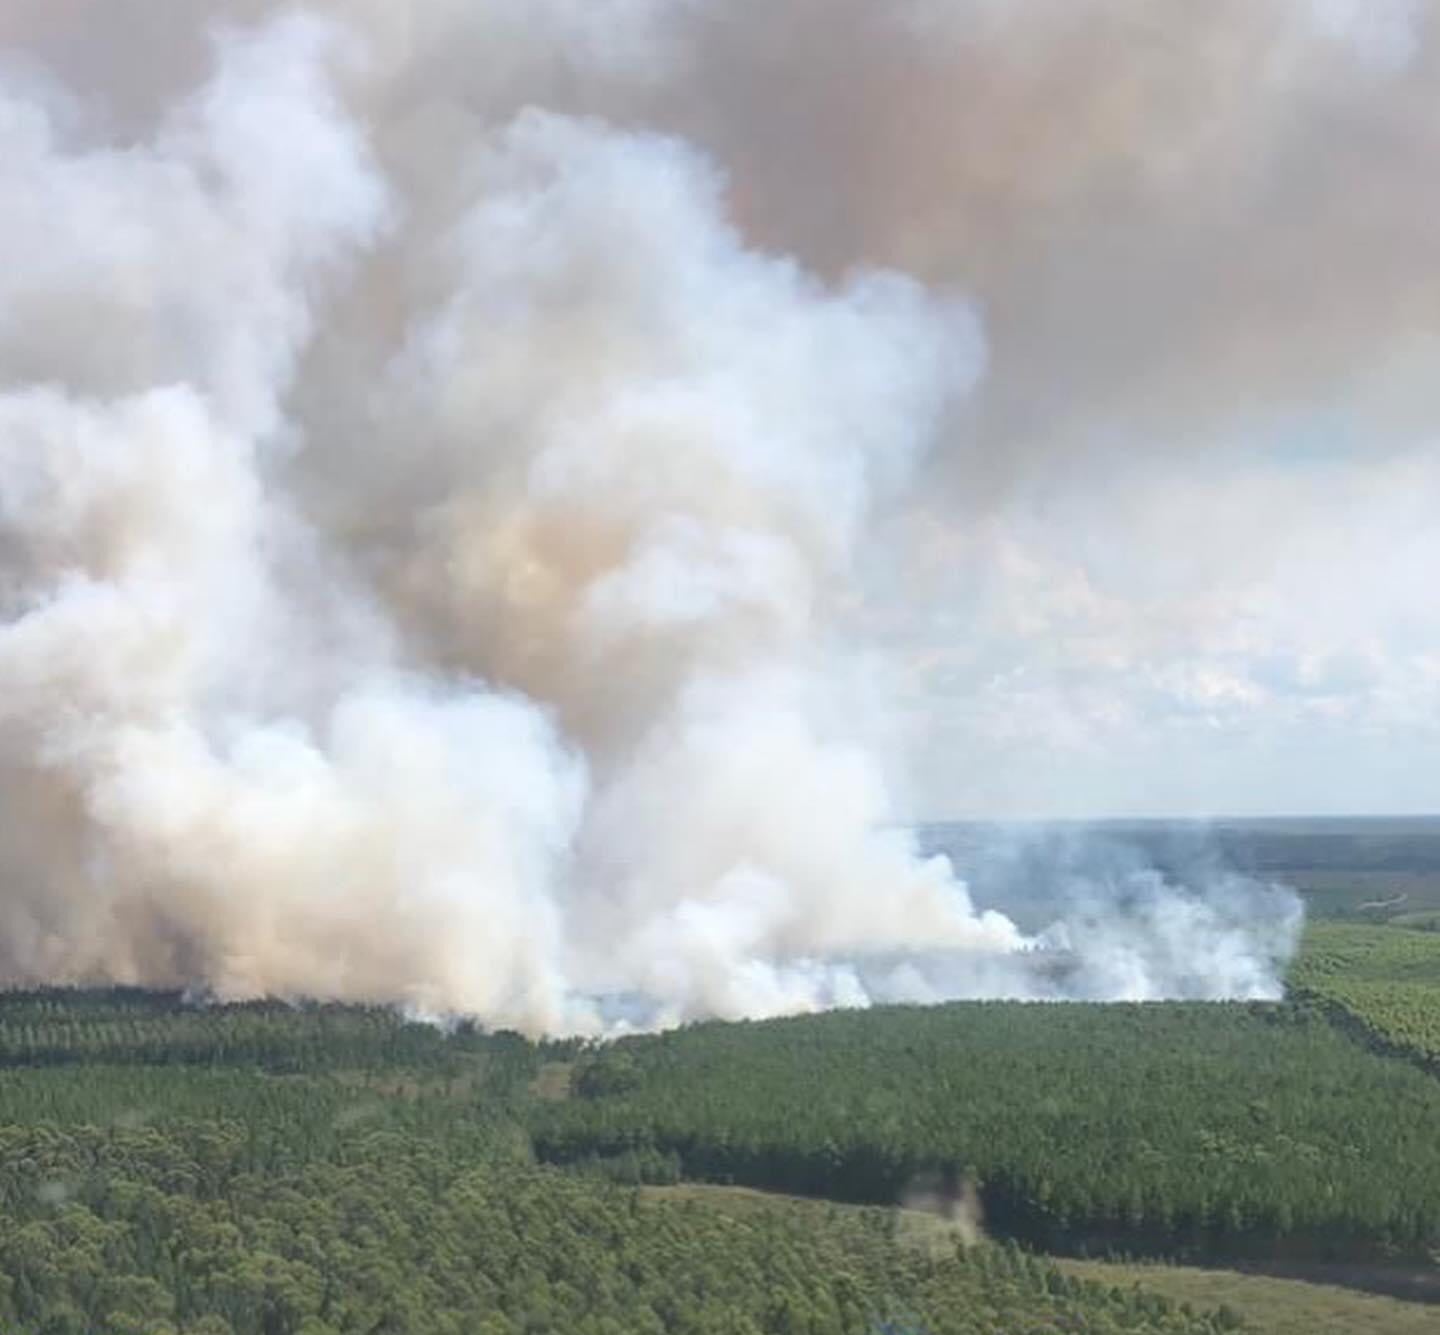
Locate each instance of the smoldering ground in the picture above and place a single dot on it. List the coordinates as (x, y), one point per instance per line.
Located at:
(439, 444)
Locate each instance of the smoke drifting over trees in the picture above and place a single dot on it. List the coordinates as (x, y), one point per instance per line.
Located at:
(437, 444)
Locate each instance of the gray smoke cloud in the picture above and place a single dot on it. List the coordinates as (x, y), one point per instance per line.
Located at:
(437, 444)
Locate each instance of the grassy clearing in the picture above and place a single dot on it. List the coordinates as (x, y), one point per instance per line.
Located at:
(552, 1082)
(1276, 1306)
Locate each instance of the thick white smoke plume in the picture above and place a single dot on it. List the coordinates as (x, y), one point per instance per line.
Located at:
(423, 510)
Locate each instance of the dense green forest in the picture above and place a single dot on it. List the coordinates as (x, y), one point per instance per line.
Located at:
(1188, 1129)
(245, 1178)
(55, 1028)
(142, 1232)
(263, 1170)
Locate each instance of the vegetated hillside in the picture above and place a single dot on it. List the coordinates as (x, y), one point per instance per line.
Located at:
(1385, 981)
(1189, 1130)
(323, 1170)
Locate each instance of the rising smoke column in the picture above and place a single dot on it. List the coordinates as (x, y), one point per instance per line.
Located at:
(222, 767)
(424, 510)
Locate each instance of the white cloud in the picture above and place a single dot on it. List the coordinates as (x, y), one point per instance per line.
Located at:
(1170, 638)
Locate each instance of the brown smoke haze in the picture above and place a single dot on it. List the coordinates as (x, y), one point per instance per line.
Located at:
(440, 444)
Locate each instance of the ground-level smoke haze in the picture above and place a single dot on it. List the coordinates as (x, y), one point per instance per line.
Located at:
(439, 449)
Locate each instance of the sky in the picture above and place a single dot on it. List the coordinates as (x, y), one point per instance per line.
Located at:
(1179, 555)
(1251, 636)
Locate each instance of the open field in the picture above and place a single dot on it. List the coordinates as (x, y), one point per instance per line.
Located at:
(1275, 1306)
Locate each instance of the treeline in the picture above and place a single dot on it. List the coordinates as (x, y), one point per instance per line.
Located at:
(55, 1028)
(1193, 1131)
(1382, 982)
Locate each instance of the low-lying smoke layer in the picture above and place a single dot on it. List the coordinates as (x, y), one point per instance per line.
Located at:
(427, 484)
